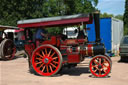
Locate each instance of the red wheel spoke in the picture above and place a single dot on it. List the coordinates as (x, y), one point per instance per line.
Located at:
(105, 61)
(46, 60)
(55, 62)
(43, 69)
(39, 59)
(53, 65)
(49, 52)
(99, 68)
(51, 68)
(104, 70)
(105, 65)
(43, 53)
(41, 65)
(38, 63)
(99, 72)
(99, 60)
(96, 62)
(95, 66)
(47, 69)
(52, 54)
(54, 58)
(46, 51)
(39, 55)
(95, 70)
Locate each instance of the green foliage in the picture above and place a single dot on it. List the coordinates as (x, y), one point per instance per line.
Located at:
(126, 17)
(125, 30)
(54, 30)
(78, 6)
(13, 10)
(119, 17)
(105, 15)
(66, 7)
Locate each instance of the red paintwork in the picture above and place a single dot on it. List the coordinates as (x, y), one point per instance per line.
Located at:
(76, 21)
(72, 50)
(29, 48)
(0, 39)
(52, 41)
(74, 41)
(45, 64)
(73, 58)
(71, 42)
(20, 30)
(90, 50)
(81, 41)
(57, 42)
(91, 66)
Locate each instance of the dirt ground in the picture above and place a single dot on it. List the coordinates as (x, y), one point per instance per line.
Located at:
(15, 72)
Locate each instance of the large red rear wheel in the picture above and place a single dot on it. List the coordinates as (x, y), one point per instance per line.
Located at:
(46, 60)
(100, 66)
(8, 49)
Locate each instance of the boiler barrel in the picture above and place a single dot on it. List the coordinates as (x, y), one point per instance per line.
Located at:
(93, 49)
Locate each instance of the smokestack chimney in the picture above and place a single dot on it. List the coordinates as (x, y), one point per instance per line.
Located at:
(97, 26)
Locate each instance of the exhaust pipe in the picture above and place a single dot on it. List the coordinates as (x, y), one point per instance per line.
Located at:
(97, 26)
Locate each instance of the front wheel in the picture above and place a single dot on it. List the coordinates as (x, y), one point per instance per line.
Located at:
(100, 66)
(46, 60)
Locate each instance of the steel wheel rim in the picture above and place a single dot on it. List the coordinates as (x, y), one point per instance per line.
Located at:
(9, 49)
(46, 61)
(100, 66)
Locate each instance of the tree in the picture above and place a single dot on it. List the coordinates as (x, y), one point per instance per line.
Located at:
(67, 7)
(126, 17)
(105, 15)
(13, 10)
(120, 17)
(79, 6)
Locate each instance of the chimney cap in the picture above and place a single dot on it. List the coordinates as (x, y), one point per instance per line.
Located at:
(97, 12)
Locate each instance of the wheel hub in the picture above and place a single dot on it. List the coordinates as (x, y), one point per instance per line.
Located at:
(9, 51)
(99, 66)
(46, 60)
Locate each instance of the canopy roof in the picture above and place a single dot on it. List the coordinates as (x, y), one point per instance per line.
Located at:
(7, 27)
(56, 21)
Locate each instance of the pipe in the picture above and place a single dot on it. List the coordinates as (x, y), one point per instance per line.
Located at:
(97, 26)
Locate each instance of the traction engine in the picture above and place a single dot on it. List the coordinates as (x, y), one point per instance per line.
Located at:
(50, 56)
(7, 46)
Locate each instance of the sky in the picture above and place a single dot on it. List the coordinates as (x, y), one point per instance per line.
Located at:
(111, 6)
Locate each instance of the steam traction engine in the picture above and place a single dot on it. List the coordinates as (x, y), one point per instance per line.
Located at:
(7, 46)
(51, 55)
